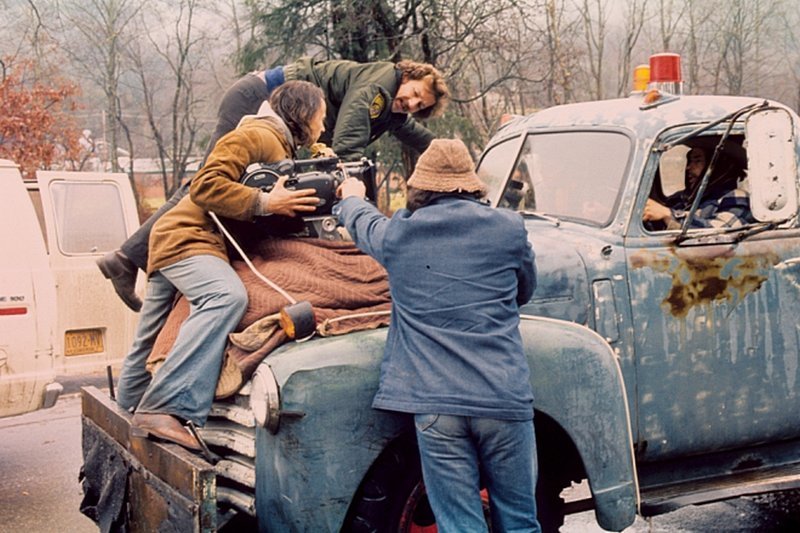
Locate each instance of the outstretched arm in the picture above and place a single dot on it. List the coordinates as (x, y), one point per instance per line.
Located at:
(366, 225)
(414, 134)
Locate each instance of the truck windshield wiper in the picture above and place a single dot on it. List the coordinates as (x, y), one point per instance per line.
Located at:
(755, 229)
(726, 235)
(536, 214)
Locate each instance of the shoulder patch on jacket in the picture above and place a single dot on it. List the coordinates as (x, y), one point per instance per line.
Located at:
(377, 105)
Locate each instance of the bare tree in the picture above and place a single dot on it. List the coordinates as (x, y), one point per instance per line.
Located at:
(732, 45)
(140, 59)
(103, 28)
(594, 15)
(790, 49)
(696, 20)
(687, 27)
(490, 53)
(670, 14)
(738, 45)
(497, 76)
(561, 57)
(165, 61)
(633, 22)
(29, 33)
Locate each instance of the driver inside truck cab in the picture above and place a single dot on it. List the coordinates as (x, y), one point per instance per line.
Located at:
(725, 202)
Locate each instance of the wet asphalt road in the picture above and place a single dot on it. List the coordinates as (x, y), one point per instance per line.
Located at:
(40, 457)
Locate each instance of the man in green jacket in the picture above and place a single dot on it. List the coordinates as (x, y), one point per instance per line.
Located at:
(364, 101)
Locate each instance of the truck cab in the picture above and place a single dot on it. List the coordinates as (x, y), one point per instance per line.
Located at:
(699, 318)
(664, 360)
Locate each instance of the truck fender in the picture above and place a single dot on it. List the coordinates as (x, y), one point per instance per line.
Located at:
(329, 434)
(577, 382)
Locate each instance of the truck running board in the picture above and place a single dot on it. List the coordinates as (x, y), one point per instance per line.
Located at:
(666, 498)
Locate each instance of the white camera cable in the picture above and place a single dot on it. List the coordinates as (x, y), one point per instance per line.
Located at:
(247, 261)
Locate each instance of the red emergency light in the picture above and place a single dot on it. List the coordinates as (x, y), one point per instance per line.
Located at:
(665, 73)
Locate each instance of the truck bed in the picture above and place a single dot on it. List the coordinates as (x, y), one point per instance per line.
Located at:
(144, 485)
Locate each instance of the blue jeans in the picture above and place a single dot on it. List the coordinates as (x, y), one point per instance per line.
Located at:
(184, 385)
(457, 452)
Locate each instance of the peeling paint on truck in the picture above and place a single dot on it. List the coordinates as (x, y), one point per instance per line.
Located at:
(706, 278)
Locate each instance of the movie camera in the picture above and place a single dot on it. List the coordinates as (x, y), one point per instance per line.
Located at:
(324, 175)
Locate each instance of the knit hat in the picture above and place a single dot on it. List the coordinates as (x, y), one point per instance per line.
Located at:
(446, 166)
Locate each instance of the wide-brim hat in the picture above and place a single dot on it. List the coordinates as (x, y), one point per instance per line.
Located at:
(446, 166)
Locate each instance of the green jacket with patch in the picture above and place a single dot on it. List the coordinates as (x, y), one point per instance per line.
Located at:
(359, 98)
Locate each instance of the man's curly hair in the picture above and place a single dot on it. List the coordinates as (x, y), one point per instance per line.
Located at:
(412, 70)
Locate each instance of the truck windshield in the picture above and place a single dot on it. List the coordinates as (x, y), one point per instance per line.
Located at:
(567, 175)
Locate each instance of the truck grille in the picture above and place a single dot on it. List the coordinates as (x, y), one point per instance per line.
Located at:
(230, 433)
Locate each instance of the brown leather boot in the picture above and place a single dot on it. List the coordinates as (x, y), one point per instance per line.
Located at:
(122, 272)
(165, 427)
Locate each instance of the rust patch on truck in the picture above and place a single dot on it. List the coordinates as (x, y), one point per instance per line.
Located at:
(705, 275)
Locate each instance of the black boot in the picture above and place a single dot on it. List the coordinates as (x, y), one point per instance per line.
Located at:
(122, 272)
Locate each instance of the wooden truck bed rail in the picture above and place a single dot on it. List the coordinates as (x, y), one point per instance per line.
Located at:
(138, 483)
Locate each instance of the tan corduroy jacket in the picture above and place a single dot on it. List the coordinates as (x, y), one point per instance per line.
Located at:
(186, 230)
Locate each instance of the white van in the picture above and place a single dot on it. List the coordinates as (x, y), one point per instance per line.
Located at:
(72, 323)
(27, 303)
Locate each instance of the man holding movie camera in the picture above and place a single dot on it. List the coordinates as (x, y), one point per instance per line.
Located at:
(364, 101)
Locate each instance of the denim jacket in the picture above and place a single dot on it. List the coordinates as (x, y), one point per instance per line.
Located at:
(458, 271)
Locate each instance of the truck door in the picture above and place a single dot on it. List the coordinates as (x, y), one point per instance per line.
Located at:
(87, 214)
(716, 334)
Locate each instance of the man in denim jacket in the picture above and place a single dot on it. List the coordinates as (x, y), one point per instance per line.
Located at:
(458, 272)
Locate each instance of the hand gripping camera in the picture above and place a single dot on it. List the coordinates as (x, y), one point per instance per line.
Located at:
(324, 175)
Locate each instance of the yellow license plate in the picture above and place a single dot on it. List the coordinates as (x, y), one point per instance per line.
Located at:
(83, 341)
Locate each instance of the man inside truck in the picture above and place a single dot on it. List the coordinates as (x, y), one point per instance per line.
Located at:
(724, 204)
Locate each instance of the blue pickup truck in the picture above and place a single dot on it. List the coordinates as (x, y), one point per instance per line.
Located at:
(665, 362)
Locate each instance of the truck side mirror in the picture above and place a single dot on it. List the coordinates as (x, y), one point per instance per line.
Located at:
(771, 164)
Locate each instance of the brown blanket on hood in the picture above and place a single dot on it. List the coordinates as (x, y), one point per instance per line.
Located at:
(334, 276)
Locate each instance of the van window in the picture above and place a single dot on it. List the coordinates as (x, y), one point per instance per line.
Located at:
(89, 217)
